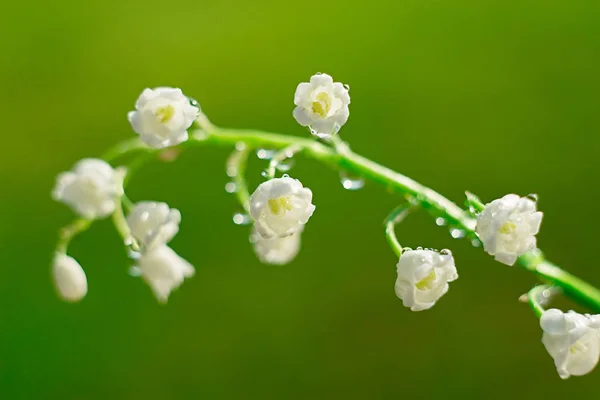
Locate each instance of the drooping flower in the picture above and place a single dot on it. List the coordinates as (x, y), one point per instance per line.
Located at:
(69, 278)
(164, 271)
(280, 207)
(572, 340)
(507, 227)
(276, 250)
(162, 117)
(91, 189)
(153, 224)
(423, 277)
(322, 105)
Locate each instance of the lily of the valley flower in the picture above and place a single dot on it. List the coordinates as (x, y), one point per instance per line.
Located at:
(91, 188)
(322, 105)
(423, 277)
(276, 250)
(153, 224)
(164, 271)
(280, 207)
(162, 117)
(573, 341)
(69, 278)
(507, 227)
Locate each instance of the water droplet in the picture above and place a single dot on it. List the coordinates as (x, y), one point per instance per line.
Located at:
(319, 73)
(475, 242)
(472, 210)
(440, 221)
(231, 172)
(285, 176)
(285, 165)
(239, 146)
(346, 86)
(134, 255)
(264, 154)
(254, 238)
(134, 271)
(533, 197)
(419, 248)
(241, 219)
(445, 252)
(457, 233)
(193, 102)
(524, 298)
(351, 183)
(230, 187)
(264, 174)
(405, 249)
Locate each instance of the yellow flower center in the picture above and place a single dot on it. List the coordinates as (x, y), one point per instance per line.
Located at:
(508, 228)
(164, 114)
(322, 106)
(280, 205)
(426, 282)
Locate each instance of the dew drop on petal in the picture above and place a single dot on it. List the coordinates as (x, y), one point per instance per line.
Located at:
(193, 101)
(445, 252)
(134, 255)
(440, 221)
(346, 86)
(230, 187)
(533, 197)
(134, 271)
(241, 219)
(405, 249)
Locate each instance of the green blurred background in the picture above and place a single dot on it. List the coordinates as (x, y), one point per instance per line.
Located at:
(492, 96)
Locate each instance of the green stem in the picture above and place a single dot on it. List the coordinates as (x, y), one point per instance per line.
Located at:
(436, 204)
(281, 155)
(68, 233)
(395, 217)
(237, 164)
(535, 299)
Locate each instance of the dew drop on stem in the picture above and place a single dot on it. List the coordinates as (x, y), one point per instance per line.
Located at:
(351, 183)
(241, 219)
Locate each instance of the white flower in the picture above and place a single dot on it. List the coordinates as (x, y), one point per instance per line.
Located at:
(507, 227)
(423, 277)
(69, 278)
(164, 270)
(280, 207)
(276, 250)
(91, 189)
(153, 224)
(573, 341)
(322, 105)
(162, 117)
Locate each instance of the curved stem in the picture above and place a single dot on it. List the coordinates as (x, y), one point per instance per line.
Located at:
(68, 233)
(436, 204)
(395, 217)
(281, 155)
(236, 169)
(535, 297)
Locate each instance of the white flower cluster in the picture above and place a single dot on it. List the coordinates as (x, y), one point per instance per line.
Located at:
(423, 277)
(280, 208)
(507, 227)
(572, 340)
(93, 190)
(322, 105)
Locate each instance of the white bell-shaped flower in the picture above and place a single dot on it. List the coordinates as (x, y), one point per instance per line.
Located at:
(423, 277)
(322, 105)
(280, 207)
(69, 278)
(153, 224)
(507, 227)
(276, 250)
(162, 117)
(573, 341)
(164, 271)
(91, 189)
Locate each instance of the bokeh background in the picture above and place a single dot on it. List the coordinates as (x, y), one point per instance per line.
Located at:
(488, 96)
